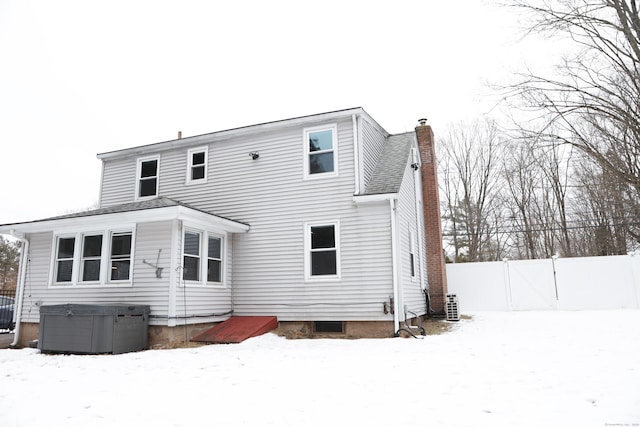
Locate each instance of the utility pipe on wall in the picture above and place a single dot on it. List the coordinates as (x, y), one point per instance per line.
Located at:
(356, 154)
(394, 263)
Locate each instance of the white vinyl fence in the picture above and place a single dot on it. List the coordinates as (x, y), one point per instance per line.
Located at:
(591, 283)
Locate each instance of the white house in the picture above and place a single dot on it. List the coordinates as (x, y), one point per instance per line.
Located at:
(319, 220)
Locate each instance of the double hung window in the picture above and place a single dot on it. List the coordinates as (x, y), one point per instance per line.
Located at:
(91, 258)
(147, 181)
(202, 257)
(94, 258)
(65, 249)
(192, 256)
(197, 165)
(120, 261)
(320, 151)
(323, 253)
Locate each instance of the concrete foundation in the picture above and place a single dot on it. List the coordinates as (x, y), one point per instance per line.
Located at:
(163, 337)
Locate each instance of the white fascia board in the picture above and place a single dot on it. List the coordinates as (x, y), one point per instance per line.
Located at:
(115, 220)
(208, 220)
(371, 198)
(193, 141)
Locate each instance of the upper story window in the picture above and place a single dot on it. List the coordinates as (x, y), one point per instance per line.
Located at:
(202, 257)
(92, 258)
(322, 251)
(320, 151)
(197, 165)
(147, 177)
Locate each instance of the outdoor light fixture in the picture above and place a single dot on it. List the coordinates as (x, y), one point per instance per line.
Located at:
(254, 155)
(415, 166)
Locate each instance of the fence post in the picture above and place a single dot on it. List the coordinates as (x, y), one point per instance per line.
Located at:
(634, 258)
(507, 283)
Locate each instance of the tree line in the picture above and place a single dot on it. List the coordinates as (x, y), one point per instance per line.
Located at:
(563, 178)
(9, 263)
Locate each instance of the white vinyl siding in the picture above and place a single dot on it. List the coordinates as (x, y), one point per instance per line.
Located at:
(372, 143)
(267, 274)
(410, 229)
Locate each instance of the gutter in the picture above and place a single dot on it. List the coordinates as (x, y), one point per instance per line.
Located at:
(24, 261)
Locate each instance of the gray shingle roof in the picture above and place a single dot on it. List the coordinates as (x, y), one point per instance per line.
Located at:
(157, 203)
(387, 175)
(160, 202)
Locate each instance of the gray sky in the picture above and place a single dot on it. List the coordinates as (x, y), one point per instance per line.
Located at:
(84, 77)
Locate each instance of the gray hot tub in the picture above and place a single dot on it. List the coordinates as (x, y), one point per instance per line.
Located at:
(93, 328)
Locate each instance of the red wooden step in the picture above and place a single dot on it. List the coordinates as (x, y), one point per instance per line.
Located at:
(237, 329)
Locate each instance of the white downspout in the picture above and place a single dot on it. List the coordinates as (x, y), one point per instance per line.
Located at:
(394, 264)
(356, 155)
(22, 274)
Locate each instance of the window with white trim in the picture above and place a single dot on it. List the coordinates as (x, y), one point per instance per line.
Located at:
(120, 256)
(65, 250)
(197, 165)
(191, 256)
(214, 260)
(147, 177)
(92, 258)
(202, 257)
(320, 151)
(322, 250)
(412, 258)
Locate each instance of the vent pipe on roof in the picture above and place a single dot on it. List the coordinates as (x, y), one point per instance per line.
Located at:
(179, 134)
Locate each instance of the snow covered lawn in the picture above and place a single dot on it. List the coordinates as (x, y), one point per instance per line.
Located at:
(498, 369)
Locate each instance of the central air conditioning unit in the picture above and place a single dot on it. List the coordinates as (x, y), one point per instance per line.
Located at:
(452, 307)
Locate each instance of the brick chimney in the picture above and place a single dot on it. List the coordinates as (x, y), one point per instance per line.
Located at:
(436, 272)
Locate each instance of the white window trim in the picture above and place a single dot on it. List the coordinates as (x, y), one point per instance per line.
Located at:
(54, 259)
(306, 152)
(138, 178)
(190, 154)
(307, 252)
(105, 259)
(412, 257)
(82, 258)
(204, 258)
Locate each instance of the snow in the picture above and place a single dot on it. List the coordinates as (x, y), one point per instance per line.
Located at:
(579, 368)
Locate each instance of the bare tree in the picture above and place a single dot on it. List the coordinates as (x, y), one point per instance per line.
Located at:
(521, 175)
(593, 101)
(601, 206)
(471, 174)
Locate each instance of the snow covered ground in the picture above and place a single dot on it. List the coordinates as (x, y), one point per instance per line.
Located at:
(498, 369)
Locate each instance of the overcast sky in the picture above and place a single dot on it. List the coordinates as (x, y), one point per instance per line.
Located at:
(79, 78)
